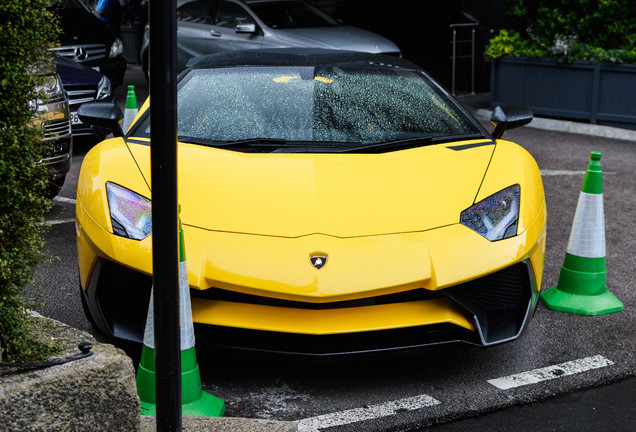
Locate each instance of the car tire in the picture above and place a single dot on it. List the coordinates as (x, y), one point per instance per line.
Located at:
(54, 186)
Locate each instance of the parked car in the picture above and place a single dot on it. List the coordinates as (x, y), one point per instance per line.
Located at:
(206, 27)
(51, 114)
(84, 84)
(332, 203)
(86, 40)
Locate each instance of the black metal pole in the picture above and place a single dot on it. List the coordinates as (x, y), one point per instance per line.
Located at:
(165, 257)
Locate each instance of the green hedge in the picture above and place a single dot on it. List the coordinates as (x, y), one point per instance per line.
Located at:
(568, 30)
(27, 30)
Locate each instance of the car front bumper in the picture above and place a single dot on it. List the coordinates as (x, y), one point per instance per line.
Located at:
(401, 292)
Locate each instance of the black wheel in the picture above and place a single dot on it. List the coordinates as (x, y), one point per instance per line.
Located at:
(54, 187)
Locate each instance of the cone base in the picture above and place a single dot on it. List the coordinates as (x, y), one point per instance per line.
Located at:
(558, 300)
(194, 401)
(206, 406)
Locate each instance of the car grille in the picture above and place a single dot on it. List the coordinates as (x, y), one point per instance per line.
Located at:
(497, 291)
(230, 296)
(379, 342)
(123, 296)
(82, 53)
(500, 302)
(78, 95)
(54, 129)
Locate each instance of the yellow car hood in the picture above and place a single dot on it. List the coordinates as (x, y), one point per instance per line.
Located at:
(341, 195)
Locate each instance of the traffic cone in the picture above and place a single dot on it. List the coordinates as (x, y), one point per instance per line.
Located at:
(194, 401)
(581, 287)
(131, 108)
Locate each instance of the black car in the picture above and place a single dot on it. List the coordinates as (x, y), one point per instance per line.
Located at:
(51, 116)
(83, 84)
(86, 40)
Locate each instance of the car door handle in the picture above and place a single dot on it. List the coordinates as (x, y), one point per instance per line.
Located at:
(215, 33)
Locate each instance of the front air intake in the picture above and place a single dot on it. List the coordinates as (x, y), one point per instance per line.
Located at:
(499, 302)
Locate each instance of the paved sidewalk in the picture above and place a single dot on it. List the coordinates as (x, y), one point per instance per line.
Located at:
(224, 424)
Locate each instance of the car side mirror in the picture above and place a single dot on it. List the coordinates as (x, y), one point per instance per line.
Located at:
(509, 117)
(245, 28)
(102, 114)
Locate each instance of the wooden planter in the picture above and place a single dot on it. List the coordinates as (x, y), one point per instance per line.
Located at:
(599, 93)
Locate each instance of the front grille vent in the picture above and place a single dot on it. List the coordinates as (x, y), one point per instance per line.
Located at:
(78, 95)
(500, 302)
(230, 296)
(54, 129)
(501, 290)
(82, 53)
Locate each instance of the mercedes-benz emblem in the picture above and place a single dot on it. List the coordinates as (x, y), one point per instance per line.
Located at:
(80, 54)
(318, 260)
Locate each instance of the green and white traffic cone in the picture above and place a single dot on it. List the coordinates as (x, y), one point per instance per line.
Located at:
(131, 110)
(581, 288)
(194, 401)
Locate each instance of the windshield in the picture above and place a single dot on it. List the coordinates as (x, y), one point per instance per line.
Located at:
(66, 4)
(346, 106)
(290, 15)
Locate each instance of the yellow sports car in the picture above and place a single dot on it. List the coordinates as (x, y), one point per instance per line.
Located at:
(332, 203)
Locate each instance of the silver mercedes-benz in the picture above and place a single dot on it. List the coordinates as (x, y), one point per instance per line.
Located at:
(211, 26)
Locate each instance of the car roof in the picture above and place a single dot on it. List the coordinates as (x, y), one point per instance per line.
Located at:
(294, 57)
(269, 1)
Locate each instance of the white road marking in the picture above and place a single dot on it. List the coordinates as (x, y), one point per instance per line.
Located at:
(369, 413)
(547, 173)
(551, 173)
(65, 200)
(58, 221)
(551, 372)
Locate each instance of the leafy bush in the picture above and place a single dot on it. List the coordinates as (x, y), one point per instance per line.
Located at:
(27, 30)
(568, 30)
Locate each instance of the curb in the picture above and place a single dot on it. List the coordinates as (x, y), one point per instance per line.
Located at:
(224, 424)
(71, 396)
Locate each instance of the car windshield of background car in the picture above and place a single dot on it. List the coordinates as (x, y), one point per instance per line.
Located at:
(344, 105)
(289, 15)
(66, 4)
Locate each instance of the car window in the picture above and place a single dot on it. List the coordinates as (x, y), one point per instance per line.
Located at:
(288, 15)
(196, 12)
(230, 15)
(66, 4)
(347, 105)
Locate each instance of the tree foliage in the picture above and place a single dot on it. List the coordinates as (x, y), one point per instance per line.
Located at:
(27, 30)
(568, 30)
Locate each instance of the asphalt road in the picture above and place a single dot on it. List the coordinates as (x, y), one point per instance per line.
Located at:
(559, 354)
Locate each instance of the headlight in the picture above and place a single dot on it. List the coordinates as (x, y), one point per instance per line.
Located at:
(52, 90)
(116, 48)
(130, 213)
(495, 217)
(103, 88)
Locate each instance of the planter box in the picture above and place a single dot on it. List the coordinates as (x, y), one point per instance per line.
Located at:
(96, 393)
(598, 93)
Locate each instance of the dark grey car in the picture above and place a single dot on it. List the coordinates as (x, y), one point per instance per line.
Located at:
(211, 26)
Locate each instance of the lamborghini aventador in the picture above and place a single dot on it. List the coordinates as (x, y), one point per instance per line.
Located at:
(332, 203)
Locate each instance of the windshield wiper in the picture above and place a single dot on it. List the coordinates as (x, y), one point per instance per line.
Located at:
(195, 140)
(271, 144)
(411, 142)
(223, 143)
(255, 141)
